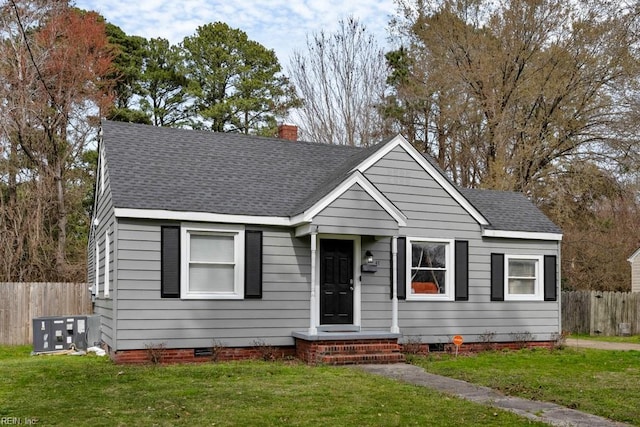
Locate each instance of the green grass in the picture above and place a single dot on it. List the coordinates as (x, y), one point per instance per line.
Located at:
(635, 339)
(601, 382)
(92, 391)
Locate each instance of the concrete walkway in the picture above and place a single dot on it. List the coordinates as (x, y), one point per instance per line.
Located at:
(601, 345)
(549, 413)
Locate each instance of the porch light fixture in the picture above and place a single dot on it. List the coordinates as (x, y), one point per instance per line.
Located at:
(368, 257)
(369, 266)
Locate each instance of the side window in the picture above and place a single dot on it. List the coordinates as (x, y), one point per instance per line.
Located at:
(106, 263)
(96, 290)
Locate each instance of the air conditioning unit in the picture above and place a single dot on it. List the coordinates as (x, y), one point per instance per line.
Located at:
(55, 333)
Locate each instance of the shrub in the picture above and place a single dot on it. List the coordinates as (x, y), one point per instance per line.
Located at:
(487, 340)
(155, 352)
(413, 345)
(522, 338)
(267, 352)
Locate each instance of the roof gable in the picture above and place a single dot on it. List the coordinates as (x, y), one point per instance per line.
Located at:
(436, 173)
(356, 178)
(634, 255)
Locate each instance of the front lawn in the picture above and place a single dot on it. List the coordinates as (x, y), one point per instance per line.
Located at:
(601, 382)
(92, 391)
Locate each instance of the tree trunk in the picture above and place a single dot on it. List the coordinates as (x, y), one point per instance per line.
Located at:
(61, 261)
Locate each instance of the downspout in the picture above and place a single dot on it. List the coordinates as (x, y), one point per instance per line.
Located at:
(395, 329)
(313, 308)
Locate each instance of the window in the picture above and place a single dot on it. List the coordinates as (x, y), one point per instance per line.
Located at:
(106, 264)
(212, 262)
(430, 269)
(96, 290)
(523, 277)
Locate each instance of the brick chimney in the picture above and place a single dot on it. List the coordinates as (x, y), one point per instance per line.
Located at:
(289, 132)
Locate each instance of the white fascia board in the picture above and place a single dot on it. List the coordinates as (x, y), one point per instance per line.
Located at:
(634, 255)
(399, 140)
(529, 235)
(200, 217)
(356, 178)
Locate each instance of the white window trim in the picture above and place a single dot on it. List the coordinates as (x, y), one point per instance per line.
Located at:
(450, 271)
(96, 291)
(238, 247)
(538, 294)
(106, 263)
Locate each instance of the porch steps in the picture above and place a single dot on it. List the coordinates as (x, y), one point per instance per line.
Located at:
(348, 348)
(359, 353)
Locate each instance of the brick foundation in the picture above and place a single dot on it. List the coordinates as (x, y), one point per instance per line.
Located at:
(187, 355)
(478, 347)
(330, 352)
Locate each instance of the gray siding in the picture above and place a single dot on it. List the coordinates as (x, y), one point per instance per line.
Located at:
(355, 212)
(144, 317)
(376, 287)
(635, 274)
(103, 211)
(432, 213)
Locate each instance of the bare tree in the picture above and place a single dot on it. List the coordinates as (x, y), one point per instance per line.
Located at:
(507, 91)
(53, 60)
(341, 78)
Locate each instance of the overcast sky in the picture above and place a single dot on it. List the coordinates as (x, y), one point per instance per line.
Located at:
(281, 25)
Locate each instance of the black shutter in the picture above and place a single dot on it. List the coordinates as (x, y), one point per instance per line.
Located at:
(550, 278)
(402, 268)
(253, 264)
(497, 277)
(170, 262)
(462, 270)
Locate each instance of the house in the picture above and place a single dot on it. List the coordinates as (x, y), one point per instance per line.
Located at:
(317, 250)
(635, 271)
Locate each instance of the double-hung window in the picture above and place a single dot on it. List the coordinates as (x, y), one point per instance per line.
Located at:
(212, 262)
(430, 269)
(523, 277)
(107, 266)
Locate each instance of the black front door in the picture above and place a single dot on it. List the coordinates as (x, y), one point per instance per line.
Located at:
(336, 282)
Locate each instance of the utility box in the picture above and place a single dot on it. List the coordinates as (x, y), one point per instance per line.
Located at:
(55, 333)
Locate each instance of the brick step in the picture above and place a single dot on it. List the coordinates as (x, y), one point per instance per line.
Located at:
(356, 348)
(361, 359)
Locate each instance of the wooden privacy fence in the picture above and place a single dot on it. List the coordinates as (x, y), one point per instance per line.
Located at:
(21, 302)
(601, 313)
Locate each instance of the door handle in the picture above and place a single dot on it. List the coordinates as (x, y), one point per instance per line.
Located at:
(351, 288)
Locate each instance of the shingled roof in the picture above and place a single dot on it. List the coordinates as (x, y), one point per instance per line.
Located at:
(506, 210)
(200, 171)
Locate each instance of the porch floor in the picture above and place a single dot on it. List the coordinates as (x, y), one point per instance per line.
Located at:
(345, 335)
(348, 348)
